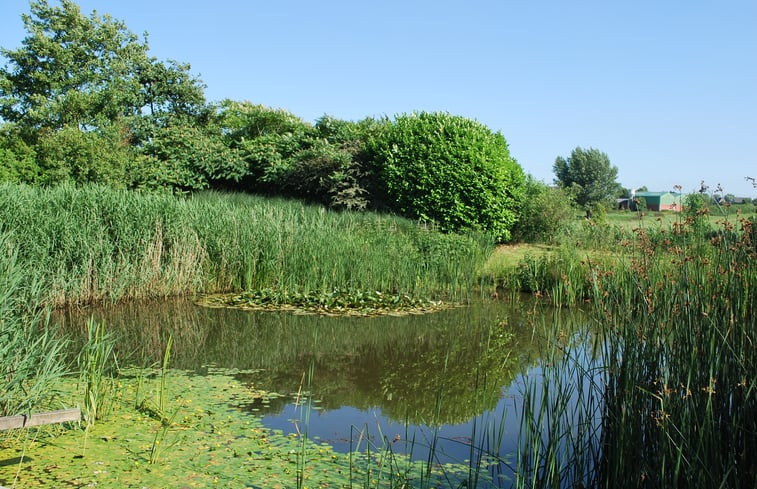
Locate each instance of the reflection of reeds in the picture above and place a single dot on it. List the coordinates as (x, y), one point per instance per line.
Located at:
(94, 244)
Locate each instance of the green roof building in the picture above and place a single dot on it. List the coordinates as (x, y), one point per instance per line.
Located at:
(658, 201)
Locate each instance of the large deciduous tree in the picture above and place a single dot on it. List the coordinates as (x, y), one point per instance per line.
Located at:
(588, 174)
(87, 81)
(74, 70)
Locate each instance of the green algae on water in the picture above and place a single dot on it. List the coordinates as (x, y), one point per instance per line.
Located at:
(211, 442)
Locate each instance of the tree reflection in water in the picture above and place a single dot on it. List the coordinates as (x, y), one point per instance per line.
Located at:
(434, 370)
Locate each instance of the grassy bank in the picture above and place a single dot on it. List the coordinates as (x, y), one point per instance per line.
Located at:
(95, 244)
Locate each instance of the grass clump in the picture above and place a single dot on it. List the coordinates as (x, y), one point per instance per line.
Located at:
(97, 365)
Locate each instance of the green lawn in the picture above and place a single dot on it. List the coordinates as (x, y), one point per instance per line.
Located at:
(632, 220)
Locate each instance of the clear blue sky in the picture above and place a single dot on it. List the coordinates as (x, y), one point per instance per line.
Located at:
(668, 89)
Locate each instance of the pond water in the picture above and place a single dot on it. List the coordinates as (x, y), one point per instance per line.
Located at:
(448, 378)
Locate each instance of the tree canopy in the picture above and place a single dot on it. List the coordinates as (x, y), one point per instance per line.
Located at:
(84, 72)
(588, 174)
(84, 95)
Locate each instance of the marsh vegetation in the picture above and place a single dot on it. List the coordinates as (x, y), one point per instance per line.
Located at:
(647, 384)
(630, 364)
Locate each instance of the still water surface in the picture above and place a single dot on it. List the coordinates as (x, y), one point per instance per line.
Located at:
(454, 375)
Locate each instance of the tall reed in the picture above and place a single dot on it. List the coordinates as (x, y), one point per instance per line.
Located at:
(31, 358)
(95, 244)
(672, 402)
(682, 364)
(97, 366)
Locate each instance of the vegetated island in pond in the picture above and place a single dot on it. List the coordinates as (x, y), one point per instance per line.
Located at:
(338, 302)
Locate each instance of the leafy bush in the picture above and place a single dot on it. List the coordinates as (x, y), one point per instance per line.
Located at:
(448, 169)
(74, 155)
(545, 213)
(349, 185)
(266, 138)
(17, 159)
(185, 157)
(315, 171)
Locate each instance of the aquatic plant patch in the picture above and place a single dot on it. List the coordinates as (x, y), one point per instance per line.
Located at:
(337, 302)
(211, 442)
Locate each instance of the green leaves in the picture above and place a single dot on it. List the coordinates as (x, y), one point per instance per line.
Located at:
(448, 169)
(588, 174)
(84, 94)
(185, 157)
(71, 70)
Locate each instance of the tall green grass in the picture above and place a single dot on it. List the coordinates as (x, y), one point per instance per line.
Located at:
(682, 364)
(95, 244)
(97, 364)
(30, 356)
(674, 393)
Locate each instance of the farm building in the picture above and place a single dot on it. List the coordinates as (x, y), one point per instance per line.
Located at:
(658, 201)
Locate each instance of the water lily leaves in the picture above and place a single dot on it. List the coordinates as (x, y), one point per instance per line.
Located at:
(338, 302)
(212, 443)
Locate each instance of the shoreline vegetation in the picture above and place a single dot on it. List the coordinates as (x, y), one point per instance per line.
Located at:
(93, 244)
(117, 184)
(670, 392)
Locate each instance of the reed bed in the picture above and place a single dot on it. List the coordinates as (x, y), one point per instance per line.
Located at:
(682, 364)
(672, 401)
(94, 244)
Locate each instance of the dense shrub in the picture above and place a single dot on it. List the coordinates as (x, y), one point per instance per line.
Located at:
(286, 156)
(349, 186)
(17, 159)
(267, 140)
(81, 156)
(448, 169)
(184, 157)
(314, 171)
(545, 213)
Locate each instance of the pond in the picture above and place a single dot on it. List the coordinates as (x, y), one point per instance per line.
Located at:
(451, 379)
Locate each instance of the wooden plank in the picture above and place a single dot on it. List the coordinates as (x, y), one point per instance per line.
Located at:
(24, 421)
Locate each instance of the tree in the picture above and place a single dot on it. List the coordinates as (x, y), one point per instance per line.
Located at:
(89, 82)
(72, 70)
(78, 71)
(588, 174)
(545, 213)
(447, 169)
